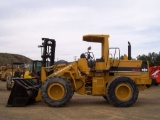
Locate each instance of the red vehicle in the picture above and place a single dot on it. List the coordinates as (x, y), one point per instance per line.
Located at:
(155, 75)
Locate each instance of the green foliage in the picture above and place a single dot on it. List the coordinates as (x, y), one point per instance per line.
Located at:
(153, 58)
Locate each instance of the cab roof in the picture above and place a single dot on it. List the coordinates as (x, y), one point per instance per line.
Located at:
(95, 37)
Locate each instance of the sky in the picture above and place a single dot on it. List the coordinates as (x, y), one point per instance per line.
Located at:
(24, 22)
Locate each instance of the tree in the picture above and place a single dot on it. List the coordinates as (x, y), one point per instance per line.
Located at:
(153, 58)
(157, 62)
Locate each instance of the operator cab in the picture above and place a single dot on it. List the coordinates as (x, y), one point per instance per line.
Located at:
(101, 64)
(87, 62)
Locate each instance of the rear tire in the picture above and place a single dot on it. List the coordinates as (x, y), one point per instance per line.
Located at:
(57, 91)
(122, 92)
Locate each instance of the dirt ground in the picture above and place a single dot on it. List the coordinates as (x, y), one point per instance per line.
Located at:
(83, 107)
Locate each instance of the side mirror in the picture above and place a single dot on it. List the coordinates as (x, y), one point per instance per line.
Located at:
(89, 48)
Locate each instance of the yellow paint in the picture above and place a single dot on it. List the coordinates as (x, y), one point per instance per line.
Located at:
(56, 91)
(123, 92)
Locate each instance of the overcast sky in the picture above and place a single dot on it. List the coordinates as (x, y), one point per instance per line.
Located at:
(24, 22)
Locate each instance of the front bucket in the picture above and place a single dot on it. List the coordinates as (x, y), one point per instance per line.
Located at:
(23, 92)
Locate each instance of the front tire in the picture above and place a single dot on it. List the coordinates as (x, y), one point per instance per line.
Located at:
(57, 91)
(9, 82)
(122, 92)
(105, 97)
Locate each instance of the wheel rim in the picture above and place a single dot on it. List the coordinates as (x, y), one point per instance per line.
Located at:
(8, 78)
(9, 82)
(123, 92)
(56, 91)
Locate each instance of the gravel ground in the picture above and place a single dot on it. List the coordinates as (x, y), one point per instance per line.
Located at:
(83, 107)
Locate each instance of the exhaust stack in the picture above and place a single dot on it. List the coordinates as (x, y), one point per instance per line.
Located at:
(129, 51)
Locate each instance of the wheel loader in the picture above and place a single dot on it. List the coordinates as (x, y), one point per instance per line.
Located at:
(10, 69)
(2, 69)
(32, 72)
(118, 81)
(16, 70)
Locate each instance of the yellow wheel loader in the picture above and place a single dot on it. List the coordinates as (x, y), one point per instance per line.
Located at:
(118, 81)
(32, 72)
(10, 70)
(2, 69)
(16, 71)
